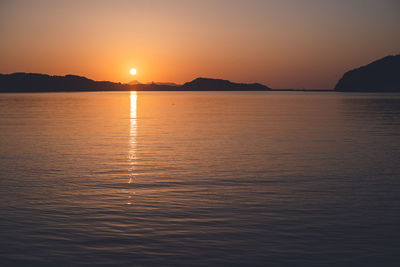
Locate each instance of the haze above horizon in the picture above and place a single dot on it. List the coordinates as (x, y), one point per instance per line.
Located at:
(280, 43)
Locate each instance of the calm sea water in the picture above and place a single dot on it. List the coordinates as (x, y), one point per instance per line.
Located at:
(151, 178)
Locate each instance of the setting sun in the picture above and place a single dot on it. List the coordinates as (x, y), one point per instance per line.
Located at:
(132, 71)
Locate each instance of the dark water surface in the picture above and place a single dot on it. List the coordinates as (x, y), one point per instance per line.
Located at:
(186, 178)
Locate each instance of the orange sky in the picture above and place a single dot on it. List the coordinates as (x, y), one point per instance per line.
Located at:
(281, 43)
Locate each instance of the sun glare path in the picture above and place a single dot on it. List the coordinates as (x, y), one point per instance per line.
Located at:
(132, 142)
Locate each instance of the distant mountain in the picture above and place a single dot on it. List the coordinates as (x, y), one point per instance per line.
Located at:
(166, 83)
(155, 87)
(34, 82)
(382, 75)
(207, 84)
(134, 82)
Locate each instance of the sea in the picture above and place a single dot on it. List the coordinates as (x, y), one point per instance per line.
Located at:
(200, 179)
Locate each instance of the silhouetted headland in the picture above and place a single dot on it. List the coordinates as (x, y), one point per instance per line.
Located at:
(33, 82)
(224, 85)
(382, 75)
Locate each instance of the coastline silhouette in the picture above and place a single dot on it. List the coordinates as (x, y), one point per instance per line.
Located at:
(382, 75)
(34, 82)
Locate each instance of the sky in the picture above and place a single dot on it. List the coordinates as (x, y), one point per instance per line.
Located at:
(280, 43)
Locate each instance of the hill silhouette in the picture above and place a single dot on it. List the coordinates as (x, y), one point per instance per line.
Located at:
(223, 85)
(382, 75)
(34, 82)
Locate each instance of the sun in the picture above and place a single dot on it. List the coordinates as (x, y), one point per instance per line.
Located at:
(132, 71)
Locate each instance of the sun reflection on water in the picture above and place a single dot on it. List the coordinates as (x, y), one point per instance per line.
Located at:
(132, 140)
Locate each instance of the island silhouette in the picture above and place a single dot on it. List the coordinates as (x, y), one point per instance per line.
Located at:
(34, 82)
(382, 75)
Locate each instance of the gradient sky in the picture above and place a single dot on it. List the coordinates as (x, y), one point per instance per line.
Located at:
(281, 43)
